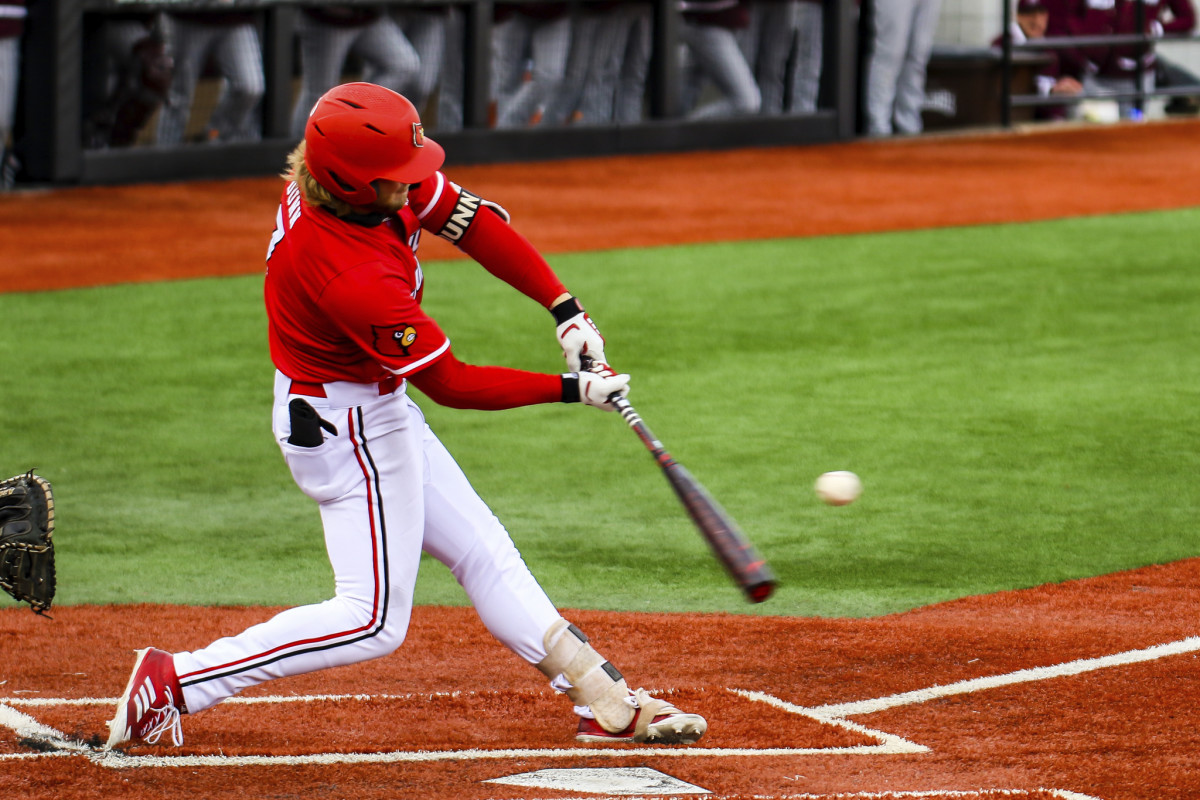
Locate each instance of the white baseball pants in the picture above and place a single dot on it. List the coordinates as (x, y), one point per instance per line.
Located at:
(10, 71)
(386, 489)
(238, 56)
(903, 43)
(388, 59)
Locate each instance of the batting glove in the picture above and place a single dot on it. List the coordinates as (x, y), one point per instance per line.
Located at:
(595, 387)
(577, 334)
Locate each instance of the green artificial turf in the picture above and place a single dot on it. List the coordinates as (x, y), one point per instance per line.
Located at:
(1021, 402)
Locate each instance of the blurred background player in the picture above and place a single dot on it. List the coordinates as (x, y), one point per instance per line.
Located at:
(343, 293)
(230, 40)
(808, 57)
(427, 29)
(624, 47)
(611, 46)
(1172, 18)
(1031, 23)
(530, 45)
(712, 52)
(127, 77)
(767, 42)
(784, 45)
(12, 25)
(565, 105)
(901, 44)
(328, 34)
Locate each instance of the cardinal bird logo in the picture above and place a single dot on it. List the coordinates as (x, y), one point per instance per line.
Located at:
(394, 340)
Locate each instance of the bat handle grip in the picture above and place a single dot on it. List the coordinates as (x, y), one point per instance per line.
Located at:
(616, 398)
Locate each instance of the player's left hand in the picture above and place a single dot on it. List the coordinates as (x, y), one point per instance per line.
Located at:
(599, 382)
(577, 334)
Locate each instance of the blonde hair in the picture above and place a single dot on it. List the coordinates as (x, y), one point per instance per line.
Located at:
(313, 192)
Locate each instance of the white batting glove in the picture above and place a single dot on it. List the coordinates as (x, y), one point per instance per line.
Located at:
(597, 386)
(577, 334)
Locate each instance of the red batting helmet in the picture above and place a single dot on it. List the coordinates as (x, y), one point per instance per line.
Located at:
(360, 132)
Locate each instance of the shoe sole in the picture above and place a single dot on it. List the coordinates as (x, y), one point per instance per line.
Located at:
(675, 729)
(119, 722)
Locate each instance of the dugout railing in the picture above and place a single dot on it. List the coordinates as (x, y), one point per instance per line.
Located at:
(1142, 43)
(50, 133)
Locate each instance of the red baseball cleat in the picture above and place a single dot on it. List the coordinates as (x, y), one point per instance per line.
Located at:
(151, 704)
(656, 722)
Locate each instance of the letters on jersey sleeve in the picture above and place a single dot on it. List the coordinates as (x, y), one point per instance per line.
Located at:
(447, 209)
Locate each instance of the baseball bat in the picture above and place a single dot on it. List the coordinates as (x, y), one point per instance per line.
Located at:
(741, 560)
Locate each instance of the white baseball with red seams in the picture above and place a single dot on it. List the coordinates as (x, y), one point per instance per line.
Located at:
(839, 488)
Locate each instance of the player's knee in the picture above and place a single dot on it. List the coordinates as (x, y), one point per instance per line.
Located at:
(383, 631)
(249, 87)
(389, 636)
(748, 102)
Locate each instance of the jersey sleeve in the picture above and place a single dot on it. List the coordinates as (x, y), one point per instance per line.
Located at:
(481, 229)
(376, 309)
(450, 382)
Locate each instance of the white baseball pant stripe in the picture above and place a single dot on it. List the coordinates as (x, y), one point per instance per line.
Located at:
(386, 488)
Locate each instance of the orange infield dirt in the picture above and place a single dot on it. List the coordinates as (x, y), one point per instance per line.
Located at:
(1081, 690)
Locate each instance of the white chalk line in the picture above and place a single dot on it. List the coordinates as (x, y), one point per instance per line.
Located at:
(833, 714)
(941, 794)
(1078, 667)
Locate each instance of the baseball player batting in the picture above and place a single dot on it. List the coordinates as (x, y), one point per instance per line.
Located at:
(347, 334)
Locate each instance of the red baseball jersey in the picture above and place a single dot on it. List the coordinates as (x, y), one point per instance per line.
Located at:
(343, 294)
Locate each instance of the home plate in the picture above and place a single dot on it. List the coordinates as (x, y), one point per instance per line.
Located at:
(615, 780)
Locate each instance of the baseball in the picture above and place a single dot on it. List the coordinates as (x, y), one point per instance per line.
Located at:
(839, 488)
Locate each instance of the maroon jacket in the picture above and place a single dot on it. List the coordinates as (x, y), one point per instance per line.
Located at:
(1115, 17)
(12, 18)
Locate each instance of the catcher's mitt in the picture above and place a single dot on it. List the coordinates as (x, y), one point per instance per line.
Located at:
(26, 549)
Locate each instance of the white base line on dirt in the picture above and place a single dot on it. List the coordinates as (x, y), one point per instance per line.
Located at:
(936, 794)
(118, 760)
(1078, 667)
(832, 714)
(28, 728)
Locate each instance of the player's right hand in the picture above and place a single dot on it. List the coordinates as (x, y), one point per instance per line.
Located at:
(577, 334)
(599, 383)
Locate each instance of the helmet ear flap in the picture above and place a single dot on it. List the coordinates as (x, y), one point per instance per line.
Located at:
(345, 186)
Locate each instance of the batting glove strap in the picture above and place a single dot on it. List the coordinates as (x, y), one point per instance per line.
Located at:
(566, 309)
(577, 334)
(570, 387)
